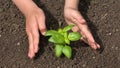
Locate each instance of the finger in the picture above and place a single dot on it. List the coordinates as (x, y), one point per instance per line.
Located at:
(83, 39)
(41, 24)
(29, 29)
(86, 41)
(90, 38)
(35, 39)
(84, 29)
(98, 46)
(80, 21)
(75, 28)
(94, 45)
(31, 47)
(35, 34)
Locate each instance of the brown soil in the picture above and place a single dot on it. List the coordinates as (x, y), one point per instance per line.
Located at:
(103, 17)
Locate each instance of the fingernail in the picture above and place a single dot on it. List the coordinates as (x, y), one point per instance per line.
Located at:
(29, 55)
(43, 33)
(98, 45)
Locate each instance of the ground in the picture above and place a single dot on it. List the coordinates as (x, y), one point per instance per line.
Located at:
(103, 20)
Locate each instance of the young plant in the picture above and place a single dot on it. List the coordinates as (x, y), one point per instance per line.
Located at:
(62, 38)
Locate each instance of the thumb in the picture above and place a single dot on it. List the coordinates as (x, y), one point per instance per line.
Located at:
(42, 25)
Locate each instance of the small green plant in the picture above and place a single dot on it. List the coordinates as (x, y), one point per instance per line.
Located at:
(61, 38)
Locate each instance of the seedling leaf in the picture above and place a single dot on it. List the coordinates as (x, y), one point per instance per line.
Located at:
(67, 51)
(60, 30)
(74, 36)
(57, 38)
(58, 50)
(67, 28)
(51, 32)
(67, 41)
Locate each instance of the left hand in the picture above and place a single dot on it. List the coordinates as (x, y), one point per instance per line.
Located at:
(73, 16)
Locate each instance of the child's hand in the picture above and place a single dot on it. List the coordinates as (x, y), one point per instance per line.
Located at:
(73, 16)
(35, 21)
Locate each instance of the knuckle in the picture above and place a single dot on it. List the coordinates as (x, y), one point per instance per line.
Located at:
(27, 31)
(75, 29)
(36, 36)
(35, 43)
(83, 21)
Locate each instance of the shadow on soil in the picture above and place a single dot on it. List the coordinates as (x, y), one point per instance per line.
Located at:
(52, 23)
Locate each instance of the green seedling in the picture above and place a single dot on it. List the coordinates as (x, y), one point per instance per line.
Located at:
(62, 38)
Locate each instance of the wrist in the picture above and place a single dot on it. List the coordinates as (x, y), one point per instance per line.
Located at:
(29, 8)
(71, 7)
(67, 7)
(71, 4)
(26, 6)
(32, 10)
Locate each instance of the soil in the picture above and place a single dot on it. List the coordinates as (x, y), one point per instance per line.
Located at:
(103, 18)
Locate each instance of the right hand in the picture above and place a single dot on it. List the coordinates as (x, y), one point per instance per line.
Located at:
(73, 16)
(35, 22)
